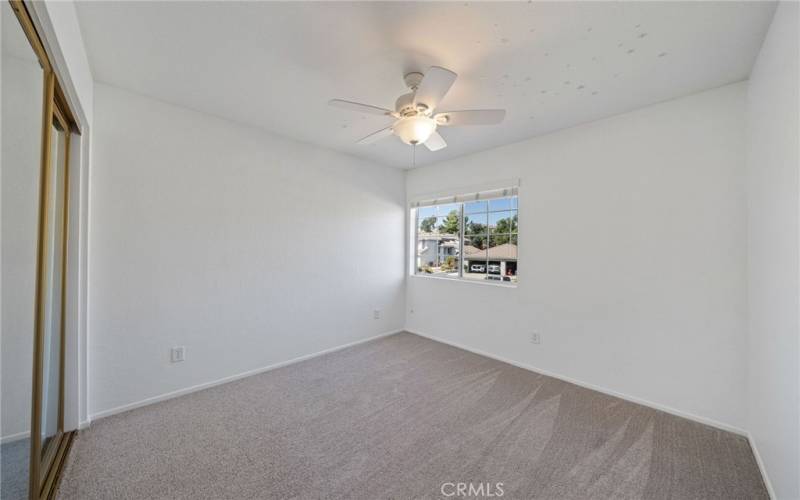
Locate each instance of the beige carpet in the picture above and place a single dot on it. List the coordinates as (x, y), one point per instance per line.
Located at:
(397, 418)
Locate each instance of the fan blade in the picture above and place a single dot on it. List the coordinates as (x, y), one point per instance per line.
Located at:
(357, 106)
(435, 142)
(471, 117)
(435, 84)
(376, 136)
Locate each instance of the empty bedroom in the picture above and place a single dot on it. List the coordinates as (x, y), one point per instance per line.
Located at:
(400, 250)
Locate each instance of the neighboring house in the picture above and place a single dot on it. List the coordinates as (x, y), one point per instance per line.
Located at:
(500, 260)
(433, 249)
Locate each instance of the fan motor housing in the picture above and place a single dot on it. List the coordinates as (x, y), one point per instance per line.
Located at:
(405, 106)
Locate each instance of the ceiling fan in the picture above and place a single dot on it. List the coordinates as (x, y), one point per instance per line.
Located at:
(415, 121)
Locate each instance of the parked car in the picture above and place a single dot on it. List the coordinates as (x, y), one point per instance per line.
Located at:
(477, 268)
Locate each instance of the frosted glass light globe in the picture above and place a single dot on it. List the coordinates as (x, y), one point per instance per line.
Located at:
(414, 129)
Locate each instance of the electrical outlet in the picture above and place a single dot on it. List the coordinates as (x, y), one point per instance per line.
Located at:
(536, 338)
(177, 354)
(376, 314)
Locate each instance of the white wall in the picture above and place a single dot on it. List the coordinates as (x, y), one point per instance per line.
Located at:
(246, 248)
(773, 183)
(632, 256)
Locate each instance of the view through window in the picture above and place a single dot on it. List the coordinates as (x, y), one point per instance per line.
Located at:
(468, 239)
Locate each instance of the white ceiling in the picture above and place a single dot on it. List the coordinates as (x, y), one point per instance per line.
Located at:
(551, 65)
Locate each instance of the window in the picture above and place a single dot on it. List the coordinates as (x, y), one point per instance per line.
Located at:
(471, 237)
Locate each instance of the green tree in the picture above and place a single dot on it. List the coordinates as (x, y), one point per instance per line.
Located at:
(426, 225)
(498, 239)
(450, 223)
(473, 227)
(507, 225)
(476, 240)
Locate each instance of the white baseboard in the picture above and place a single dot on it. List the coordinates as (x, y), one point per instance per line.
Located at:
(24, 435)
(761, 467)
(633, 399)
(224, 380)
(84, 425)
(15, 437)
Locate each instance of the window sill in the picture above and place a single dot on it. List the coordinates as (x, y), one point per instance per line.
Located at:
(498, 284)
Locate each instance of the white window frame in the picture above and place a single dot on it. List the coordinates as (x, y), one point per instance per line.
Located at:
(509, 189)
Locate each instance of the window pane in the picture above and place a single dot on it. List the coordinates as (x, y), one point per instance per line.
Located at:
(502, 257)
(500, 204)
(427, 224)
(475, 224)
(445, 210)
(503, 222)
(475, 242)
(501, 246)
(423, 212)
(440, 225)
(437, 255)
(448, 225)
(475, 262)
(474, 207)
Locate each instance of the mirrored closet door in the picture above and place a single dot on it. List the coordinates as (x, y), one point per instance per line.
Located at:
(22, 84)
(37, 128)
(48, 372)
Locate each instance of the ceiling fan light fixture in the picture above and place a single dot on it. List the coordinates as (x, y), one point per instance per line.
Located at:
(415, 129)
(414, 113)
